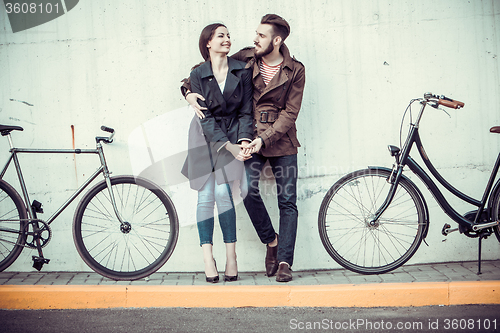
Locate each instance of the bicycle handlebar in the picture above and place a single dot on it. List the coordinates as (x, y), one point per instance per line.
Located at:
(106, 139)
(444, 101)
(107, 129)
(450, 103)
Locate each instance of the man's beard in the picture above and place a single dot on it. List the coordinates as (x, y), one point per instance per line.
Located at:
(265, 52)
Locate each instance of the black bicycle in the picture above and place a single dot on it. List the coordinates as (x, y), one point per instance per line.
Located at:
(372, 221)
(124, 228)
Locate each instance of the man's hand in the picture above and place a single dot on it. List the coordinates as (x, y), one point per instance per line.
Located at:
(238, 151)
(192, 99)
(253, 147)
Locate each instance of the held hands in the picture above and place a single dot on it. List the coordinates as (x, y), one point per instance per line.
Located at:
(244, 151)
(240, 152)
(253, 147)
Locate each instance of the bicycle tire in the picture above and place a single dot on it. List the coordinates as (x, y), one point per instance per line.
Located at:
(344, 227)
(13, 217)
(115, 252)
(495, 214)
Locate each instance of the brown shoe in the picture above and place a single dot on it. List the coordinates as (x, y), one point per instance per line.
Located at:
(284, 273)
(271, 260)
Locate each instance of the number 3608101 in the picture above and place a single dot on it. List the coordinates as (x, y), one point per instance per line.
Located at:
(31, 8)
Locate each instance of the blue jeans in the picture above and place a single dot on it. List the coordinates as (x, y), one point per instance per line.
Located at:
(285, 172)
(210, 194)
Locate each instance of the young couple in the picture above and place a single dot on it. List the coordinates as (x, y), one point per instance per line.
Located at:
(246, 106)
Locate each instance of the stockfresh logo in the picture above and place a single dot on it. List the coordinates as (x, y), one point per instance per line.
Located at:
(28, 14)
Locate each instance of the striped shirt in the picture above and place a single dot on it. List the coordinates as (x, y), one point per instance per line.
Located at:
(268, 72)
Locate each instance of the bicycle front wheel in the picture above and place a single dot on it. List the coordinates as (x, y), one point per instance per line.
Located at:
(139, 246)
(13, 217)
(346, 232)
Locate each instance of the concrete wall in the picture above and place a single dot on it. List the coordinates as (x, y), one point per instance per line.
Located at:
(120, 63)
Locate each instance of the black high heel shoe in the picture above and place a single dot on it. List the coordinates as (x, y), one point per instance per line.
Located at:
(229, 278)
(213, 279)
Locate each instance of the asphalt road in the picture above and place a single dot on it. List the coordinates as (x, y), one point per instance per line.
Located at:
(463, 318)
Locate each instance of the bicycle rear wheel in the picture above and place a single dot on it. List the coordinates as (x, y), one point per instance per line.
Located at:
(495, 214)
(347, 235)
(142, 244)
(13, 217)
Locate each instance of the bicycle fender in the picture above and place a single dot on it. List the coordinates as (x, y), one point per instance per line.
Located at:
(421, 197)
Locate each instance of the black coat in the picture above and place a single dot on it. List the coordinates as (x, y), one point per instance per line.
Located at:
(228, 118)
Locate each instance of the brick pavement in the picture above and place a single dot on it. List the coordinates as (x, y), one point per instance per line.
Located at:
(436, 272)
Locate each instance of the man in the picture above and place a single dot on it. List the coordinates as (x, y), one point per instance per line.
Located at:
(278, 81)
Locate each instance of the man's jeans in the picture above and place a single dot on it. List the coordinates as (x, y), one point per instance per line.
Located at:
(285, 172)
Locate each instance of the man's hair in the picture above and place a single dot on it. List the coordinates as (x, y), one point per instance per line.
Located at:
(206, 36)
(280, 26)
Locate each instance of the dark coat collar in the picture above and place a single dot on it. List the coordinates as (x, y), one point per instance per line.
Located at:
(232, 80)
(206, 67)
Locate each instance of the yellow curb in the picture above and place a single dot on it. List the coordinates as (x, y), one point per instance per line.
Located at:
(371, 295)
(62, 297)
(481, 292)
(365, 295)
(208, 296)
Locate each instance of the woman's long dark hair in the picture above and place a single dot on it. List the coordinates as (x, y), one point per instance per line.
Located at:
(206, 36)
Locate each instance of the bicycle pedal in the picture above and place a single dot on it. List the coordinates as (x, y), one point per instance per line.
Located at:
(447, 230)
(37, 206)
(38, 262)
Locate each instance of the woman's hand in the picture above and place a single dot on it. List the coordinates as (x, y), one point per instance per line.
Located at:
(237, 152)
(245, 154)
(192, 99)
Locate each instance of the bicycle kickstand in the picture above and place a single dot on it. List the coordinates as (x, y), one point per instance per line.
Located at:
(479, 255)
(483, 234)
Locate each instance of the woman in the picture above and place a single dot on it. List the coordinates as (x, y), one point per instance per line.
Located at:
(215, 156)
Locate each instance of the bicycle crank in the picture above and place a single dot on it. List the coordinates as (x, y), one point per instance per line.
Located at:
(37, 230)
(484, 225)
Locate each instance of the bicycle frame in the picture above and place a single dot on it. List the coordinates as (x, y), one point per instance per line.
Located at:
(404, 159)
(102, 169)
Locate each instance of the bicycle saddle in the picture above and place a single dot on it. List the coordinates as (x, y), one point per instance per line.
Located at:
(495, 129)
(6, 129)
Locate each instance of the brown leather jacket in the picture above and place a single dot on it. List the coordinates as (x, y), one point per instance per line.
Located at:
(277, 105)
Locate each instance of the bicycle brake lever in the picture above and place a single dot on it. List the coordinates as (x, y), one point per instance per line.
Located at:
(435, 105)
(444, 111)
